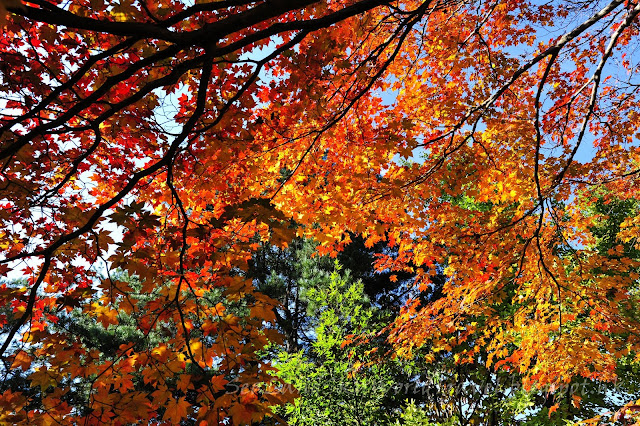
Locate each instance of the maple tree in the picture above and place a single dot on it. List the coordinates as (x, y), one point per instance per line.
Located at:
(470, 135)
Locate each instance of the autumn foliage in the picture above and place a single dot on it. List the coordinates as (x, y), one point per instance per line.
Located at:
(170, 140)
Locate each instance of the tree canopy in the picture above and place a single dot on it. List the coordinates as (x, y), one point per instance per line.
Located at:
(475, 143)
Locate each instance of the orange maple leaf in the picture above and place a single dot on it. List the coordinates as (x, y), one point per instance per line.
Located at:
(22, 360)
(176, 410)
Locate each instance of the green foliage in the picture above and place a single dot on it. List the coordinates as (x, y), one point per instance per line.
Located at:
(335, 386)
(413, 416)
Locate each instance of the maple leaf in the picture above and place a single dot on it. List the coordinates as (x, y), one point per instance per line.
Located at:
(42, 378)
(242, 414)
(218, 383)
(575, 400)
(176, 410)
(184, 383)
(22, 360)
